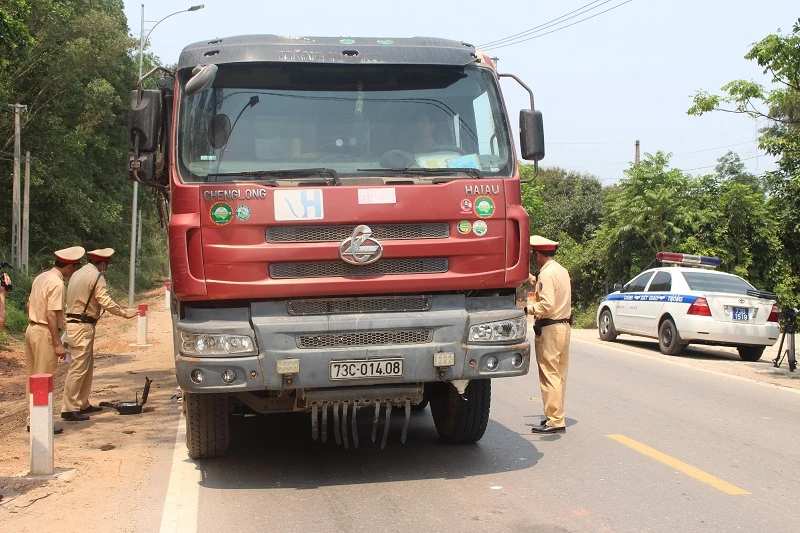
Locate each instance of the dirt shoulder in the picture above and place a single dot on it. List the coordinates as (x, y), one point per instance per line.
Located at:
(99, 461)
(710, 358)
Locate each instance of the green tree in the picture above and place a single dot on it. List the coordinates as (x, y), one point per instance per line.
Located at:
(736, 223)
(650, 211)
(75, 78)
(73, 64)
(779, 55)
(573, 205)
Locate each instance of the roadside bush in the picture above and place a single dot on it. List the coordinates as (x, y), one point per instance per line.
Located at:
(584, 317)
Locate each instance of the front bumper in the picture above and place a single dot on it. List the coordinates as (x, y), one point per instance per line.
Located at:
(279, 337)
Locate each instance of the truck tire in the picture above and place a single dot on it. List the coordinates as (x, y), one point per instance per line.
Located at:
(461, 420)
(206, 425)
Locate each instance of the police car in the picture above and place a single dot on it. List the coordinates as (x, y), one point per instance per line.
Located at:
(680, 304)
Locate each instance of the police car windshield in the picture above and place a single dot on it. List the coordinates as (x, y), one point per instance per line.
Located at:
(269, 117)
(716, 282)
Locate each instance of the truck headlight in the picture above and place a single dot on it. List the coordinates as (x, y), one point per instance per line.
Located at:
(509, 330)
(216, 344)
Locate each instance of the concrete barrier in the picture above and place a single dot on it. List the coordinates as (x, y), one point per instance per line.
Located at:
(142, 332)
(40, 402)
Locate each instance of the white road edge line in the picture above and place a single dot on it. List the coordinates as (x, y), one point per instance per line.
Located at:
(706, 370)
(183, 491)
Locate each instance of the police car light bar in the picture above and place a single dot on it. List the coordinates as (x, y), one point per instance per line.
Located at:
(687, 259)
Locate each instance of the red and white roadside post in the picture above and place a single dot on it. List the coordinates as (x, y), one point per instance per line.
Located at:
(142, 333)
(40, 403)
(166, 296)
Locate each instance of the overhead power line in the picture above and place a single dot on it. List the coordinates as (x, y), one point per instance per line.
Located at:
(544, 25)
(715, 164)
(518, 41)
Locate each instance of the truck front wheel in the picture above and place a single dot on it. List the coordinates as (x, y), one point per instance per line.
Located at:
(206, 424)
(458, 419)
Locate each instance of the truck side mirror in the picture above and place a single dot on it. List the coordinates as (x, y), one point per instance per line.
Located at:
(144, 120)
(142, 167)
(531, 135)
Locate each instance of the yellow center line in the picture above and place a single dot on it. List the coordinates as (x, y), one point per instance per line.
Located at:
(687, 469)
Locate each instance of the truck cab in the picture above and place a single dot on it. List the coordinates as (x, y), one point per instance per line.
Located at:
(345, 228)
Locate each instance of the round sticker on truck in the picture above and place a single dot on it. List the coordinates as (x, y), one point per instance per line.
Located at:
(480, 228)
(484, 207)
(221, 213)
(464, 227)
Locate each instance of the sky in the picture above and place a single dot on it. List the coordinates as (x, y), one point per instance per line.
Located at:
(617, 71)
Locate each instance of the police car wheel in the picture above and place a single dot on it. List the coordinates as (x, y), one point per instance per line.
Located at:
(606, 327)
(750, 353)
(669, 341)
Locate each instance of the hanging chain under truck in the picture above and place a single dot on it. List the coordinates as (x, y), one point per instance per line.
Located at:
(346, 230)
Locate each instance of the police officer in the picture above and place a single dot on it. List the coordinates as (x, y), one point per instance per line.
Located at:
(552, 310)
(87, 298)
(43, 347)
(5, 281)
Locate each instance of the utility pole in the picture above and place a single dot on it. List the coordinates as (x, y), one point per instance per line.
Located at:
(636, 155)
(25, 212)
(16, 247)
(135, 202)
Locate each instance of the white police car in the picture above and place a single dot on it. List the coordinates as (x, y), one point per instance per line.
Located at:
(682, 305)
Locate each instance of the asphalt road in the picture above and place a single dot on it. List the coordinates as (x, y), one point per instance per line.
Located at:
(650, 446)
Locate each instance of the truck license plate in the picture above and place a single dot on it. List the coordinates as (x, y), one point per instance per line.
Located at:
(367, 368)
(741, 313)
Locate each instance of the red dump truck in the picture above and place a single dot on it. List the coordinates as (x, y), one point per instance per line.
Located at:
(346, 231)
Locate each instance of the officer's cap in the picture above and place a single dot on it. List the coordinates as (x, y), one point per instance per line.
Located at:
(101, 254)
(540, 243)
(71, 255)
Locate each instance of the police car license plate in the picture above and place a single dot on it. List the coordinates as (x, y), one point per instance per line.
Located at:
(367, 368)
(741, 313)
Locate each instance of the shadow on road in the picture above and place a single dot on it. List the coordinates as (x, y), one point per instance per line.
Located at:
(277, 451)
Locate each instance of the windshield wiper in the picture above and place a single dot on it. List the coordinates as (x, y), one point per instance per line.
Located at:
(293, 173)
(474, 172)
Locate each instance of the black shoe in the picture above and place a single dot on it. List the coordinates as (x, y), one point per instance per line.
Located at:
(56, 430)
(91, 409)
(74, 416)
(543, 422)
(548, 429)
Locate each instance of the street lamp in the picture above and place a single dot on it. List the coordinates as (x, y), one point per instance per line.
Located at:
(142, 39)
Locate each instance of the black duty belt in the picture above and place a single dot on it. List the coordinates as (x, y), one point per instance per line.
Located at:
(80, 319)
(550, 321)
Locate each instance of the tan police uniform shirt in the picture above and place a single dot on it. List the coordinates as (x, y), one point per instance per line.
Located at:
(80, 286)
(553, 294)
(47, 294)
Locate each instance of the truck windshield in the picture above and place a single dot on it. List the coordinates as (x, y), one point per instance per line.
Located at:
(351, 119)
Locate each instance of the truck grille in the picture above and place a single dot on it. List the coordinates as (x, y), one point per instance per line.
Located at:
(380, 304)
(386, 267)
(373, 338)
(382, 232)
